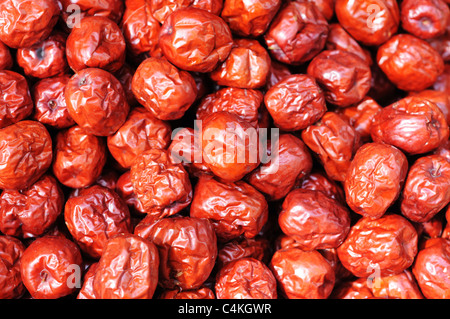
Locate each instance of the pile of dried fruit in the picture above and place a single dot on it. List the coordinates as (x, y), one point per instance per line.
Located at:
(224, 149)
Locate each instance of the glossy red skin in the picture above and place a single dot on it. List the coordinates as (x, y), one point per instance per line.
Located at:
(6, 60)
(257, 248)
(276, 178)
(94, 216)
(161, 9)
(387, 245)
(25, 154)
(284, 241)
(426, 18)
(11, 251)
(140, 29)
(245, 103)
(295, 102)
(15, 103)
(443, 81)
(344, 76)
(128, 269)
(326, 7)
(409, 62)
(249, 18)
(124, 188)
(355, 289)
(50, 102)
(413, 124)
(360, 116)
(427, 188)
(331, 255)
(320, 181)
(163, 187)
(297, 33)
(442, 45)
(247, 66)
(125, 77)
(96, 101)
(201, 293)
(87, 290)
(96, 42)
(143, 227)
(187, 250)
(47, 267)
(277, 72)
(441, 99)
(31, 212)
(444, 150)
(432, 229)
(339, 39)
(371, 22)
(245, 278)
(201, 46)
(235, 209)
(446, 230)
(183, 149)
(140, 132)
(302, 274)
(79, 157)
(44, 59)
(374, 179)
(335, 142)
(229, 156)
(23, 30)
(400, 286)
(431, 269)
(203, 84)
(112, 9)
(162, 89)
(314, 220)
(108, 178)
